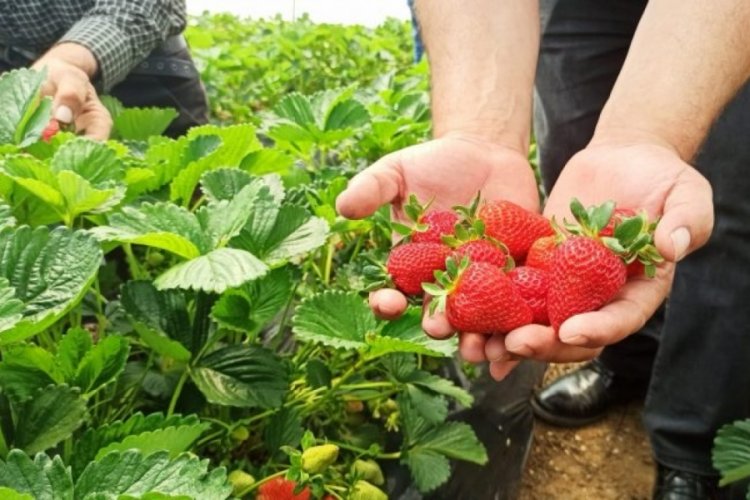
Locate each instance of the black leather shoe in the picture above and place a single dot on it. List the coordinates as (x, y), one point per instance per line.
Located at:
(584, 395)
(673, 484)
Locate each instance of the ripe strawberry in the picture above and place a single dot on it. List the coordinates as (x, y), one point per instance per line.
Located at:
(533, 285)
(585, 276)
(411, 264)
(479, 298)
(541, 251)
(482, 251)
(432, 226)
(514, 226)
(52, 128)
(279, 488)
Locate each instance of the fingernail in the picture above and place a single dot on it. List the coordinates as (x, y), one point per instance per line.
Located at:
(574, 339)
(680, 242)
(64, 114)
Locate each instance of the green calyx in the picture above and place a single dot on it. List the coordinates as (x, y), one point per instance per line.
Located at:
(632, 239)
(445, 283)
(414, 211)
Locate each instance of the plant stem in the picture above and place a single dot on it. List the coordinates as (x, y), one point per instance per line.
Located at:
(264, 480)
(330, 250)
(177, 391)
(385, 456)
(136, 271)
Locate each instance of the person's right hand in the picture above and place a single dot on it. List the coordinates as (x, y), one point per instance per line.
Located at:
(451, 171)
(74, 99)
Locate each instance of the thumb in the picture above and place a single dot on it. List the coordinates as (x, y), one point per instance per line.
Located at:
(69, 98)
(688, 217)
(375, 186)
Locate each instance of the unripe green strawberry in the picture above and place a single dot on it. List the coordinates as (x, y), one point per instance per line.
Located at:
(241, 482)
(369, 470)
(280, 488)
(533, 284)
(479, 298)
(412, 264)
(317, 459)
(513, 225)
(585, 276)
(432, 226)
(240, 433)
(482, 251)
(541, 251)
(365, 491)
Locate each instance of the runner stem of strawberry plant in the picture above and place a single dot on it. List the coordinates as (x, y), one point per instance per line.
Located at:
(177, 392)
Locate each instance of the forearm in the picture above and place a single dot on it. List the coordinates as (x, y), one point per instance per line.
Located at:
(483, 59)
(687, 60)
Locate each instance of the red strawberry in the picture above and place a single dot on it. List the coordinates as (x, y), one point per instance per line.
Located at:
(585, 276)
(533, 285)
(52, 128)
(279, 488)
(480, 298)
(540, 253)
(617, 216)
(432, 226)
(482, 251)
(411, 264)
(514, 226)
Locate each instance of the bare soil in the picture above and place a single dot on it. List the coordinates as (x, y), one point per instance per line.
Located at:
(610, 459)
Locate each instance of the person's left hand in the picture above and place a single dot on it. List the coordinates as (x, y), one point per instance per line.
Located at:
(638, 175)
(74, 99)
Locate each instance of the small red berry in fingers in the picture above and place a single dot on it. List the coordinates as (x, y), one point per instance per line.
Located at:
(52, 128)
(411, 264)
(427, 226)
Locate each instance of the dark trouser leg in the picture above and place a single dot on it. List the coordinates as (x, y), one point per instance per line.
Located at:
(702, 372)
(156, 84)
(584, 43)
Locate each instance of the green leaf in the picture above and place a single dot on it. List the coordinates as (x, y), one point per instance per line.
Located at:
(294, 232)
(253, 304)
(71, 350)
(161, 344)
(236, 142)
(20, 101)
(406, 335)
(296, 108)
(79, 196)
(214, 272)
(25, 370)
(284, 429)
(347, 114)
(243, 376)
(138, 124)
(335, 319)
(158, 311)
(433, 408)
(160, 225)
(102, 364)
(224, 219)
(267, 161)
(731, 452)
(131, 473)
(50, 272)
(95, 439)
(429, 469)
(440, 385)
(175, 440)
(318, 374)
(52, 415)
(9, 494)
(11, 309)
(43, 478)
(225, 183)
(93, 161)
(6, 216)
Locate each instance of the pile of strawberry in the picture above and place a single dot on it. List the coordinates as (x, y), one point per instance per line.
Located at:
(495, 266)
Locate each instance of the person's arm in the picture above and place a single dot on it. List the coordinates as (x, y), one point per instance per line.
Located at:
(687, 60)
(483, 58)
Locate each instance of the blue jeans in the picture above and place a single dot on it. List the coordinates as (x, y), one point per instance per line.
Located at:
(699, 356)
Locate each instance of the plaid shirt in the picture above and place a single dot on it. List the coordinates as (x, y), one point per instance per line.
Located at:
(120, 33)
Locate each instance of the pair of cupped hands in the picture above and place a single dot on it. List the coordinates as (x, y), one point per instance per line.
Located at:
(636, 173)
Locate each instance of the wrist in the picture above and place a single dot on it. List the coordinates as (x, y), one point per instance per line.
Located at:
(611, 134)
(489, 135)
(73, 54)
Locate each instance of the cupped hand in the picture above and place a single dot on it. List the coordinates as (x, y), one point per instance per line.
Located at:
(450, 171)
(637, 175)
(74, 99)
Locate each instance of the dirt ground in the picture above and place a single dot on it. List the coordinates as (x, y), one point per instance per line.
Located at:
(607, 460)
